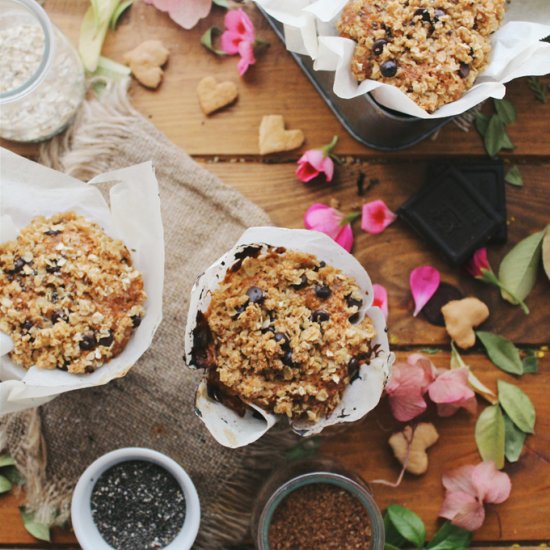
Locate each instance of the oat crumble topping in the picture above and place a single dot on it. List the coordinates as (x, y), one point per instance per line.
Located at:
(432, 50)
(282, 332)
(69, 295)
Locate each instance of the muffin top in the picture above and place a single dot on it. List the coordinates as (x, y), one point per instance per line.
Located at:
(282, 331)
(432, 50)
(69, 295)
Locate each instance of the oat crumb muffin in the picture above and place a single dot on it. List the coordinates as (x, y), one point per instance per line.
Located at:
(69, 295)
(283, 332)
(432, 50)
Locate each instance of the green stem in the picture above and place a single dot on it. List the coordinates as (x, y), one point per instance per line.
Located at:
(488, 276)
(327, 149)
(350, 218)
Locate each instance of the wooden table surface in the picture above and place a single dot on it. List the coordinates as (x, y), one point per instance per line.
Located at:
(227, 144)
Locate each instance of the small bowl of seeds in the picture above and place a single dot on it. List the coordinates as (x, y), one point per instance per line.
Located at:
(316, 504)
(135, 498)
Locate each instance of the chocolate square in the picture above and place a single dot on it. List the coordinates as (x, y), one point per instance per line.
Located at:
(487, 176)
(451, 215)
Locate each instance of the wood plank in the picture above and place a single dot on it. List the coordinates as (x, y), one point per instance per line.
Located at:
(523, 517)
(274, 86)
(390, 257)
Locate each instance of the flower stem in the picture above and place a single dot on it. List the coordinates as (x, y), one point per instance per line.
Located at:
(488, 276)
(327, 149)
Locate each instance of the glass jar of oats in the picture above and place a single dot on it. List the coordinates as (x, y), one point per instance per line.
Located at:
(41, 76)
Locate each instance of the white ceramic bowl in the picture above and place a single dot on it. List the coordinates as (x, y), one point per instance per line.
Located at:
(81, 513)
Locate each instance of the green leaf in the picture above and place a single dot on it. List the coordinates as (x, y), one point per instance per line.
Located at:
(546, 251)
(538, 88)
(12, 473)
(221, 3)
(482, 122)
(496, 137)
(517, 406)
(518, 269)
(530, 362)
(505, 110)
(207, 40)
(37, 530)
(450, 537)
(6, 460)
(501, 352)
(513, 176)
(514, 439)
(5, 485)
(393, 538)
(430, 351)
(489, 434)
(408, 524)
(119, 10)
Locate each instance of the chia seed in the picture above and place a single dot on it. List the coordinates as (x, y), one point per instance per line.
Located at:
(138, 505)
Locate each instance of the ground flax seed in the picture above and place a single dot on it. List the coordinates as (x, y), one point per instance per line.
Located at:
(320, 515)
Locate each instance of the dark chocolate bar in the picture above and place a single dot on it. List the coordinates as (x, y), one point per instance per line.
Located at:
(451, 215)
(487, 176)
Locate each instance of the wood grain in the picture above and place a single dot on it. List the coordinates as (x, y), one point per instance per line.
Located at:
(275, 85)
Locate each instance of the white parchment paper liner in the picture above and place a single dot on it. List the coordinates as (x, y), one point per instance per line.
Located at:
(29, 189)
(227, 427)
(310, 29)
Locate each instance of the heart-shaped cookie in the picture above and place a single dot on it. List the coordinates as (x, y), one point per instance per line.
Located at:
(213, 95)
(275, 139)
(146, 61)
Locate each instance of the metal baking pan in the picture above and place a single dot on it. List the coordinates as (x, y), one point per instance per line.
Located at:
(365, 120)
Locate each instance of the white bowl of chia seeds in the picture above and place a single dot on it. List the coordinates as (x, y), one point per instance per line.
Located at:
(135, 499)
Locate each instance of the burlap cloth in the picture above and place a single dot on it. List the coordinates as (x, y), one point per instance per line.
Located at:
(153, 405)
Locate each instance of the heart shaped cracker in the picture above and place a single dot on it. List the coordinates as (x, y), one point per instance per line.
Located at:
(275, 139)
(461, 316)
(146, 60)
(214, 96)
(409, 447)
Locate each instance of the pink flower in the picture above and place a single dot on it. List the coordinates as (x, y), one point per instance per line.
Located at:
(450, 390)
(376, 217)
(330, 221)
(424, 281)
(315, 162)
(468, 488)
(478, 263)
(185, 13)
(239, 37)
(407, 385)
(380, 298)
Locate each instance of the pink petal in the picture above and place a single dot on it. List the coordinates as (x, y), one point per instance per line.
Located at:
(376, 217)
(460, 480)
(448, 409)
(428, 369)
(478, 262)
(424, 281)
(246, 51)
(305, 171)
(406, 405)
(239, 22)
(345, 237)
(185, 13)
(451, 387)
(328, 168)
(229, 42)
(405, 388)
(380, 299)
(463, 510)
(492, 486)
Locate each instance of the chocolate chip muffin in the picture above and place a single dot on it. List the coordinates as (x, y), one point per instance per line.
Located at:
(432, 50)
(69, 295)
(282, 331)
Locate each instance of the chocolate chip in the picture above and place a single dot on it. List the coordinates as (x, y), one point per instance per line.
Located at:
(320, 316)
(136, 321)
(239, 310)
(464, 70)
(59, 316)
(255, 294)
(444, 294)
(106, 340)
(52, 232)
(301, 284)
(26, 325)
(378, 46)
(354, 318)
(287, 360)
(18, 265)
(424, 13)
(388, 68)
(351, 301)
(323, 292)
(353, 368)
(88, 341)
(53, 268)
(282, 339)
(65, 365)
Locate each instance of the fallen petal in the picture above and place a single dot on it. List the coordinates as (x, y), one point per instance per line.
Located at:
(246, 51)
(185, 13)
(460, 479)
(380, 298)
(345, 237)
(451, 386)
(424, 281)
(376, 217)
(463, 510)
(327, 220)
(492, 486)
